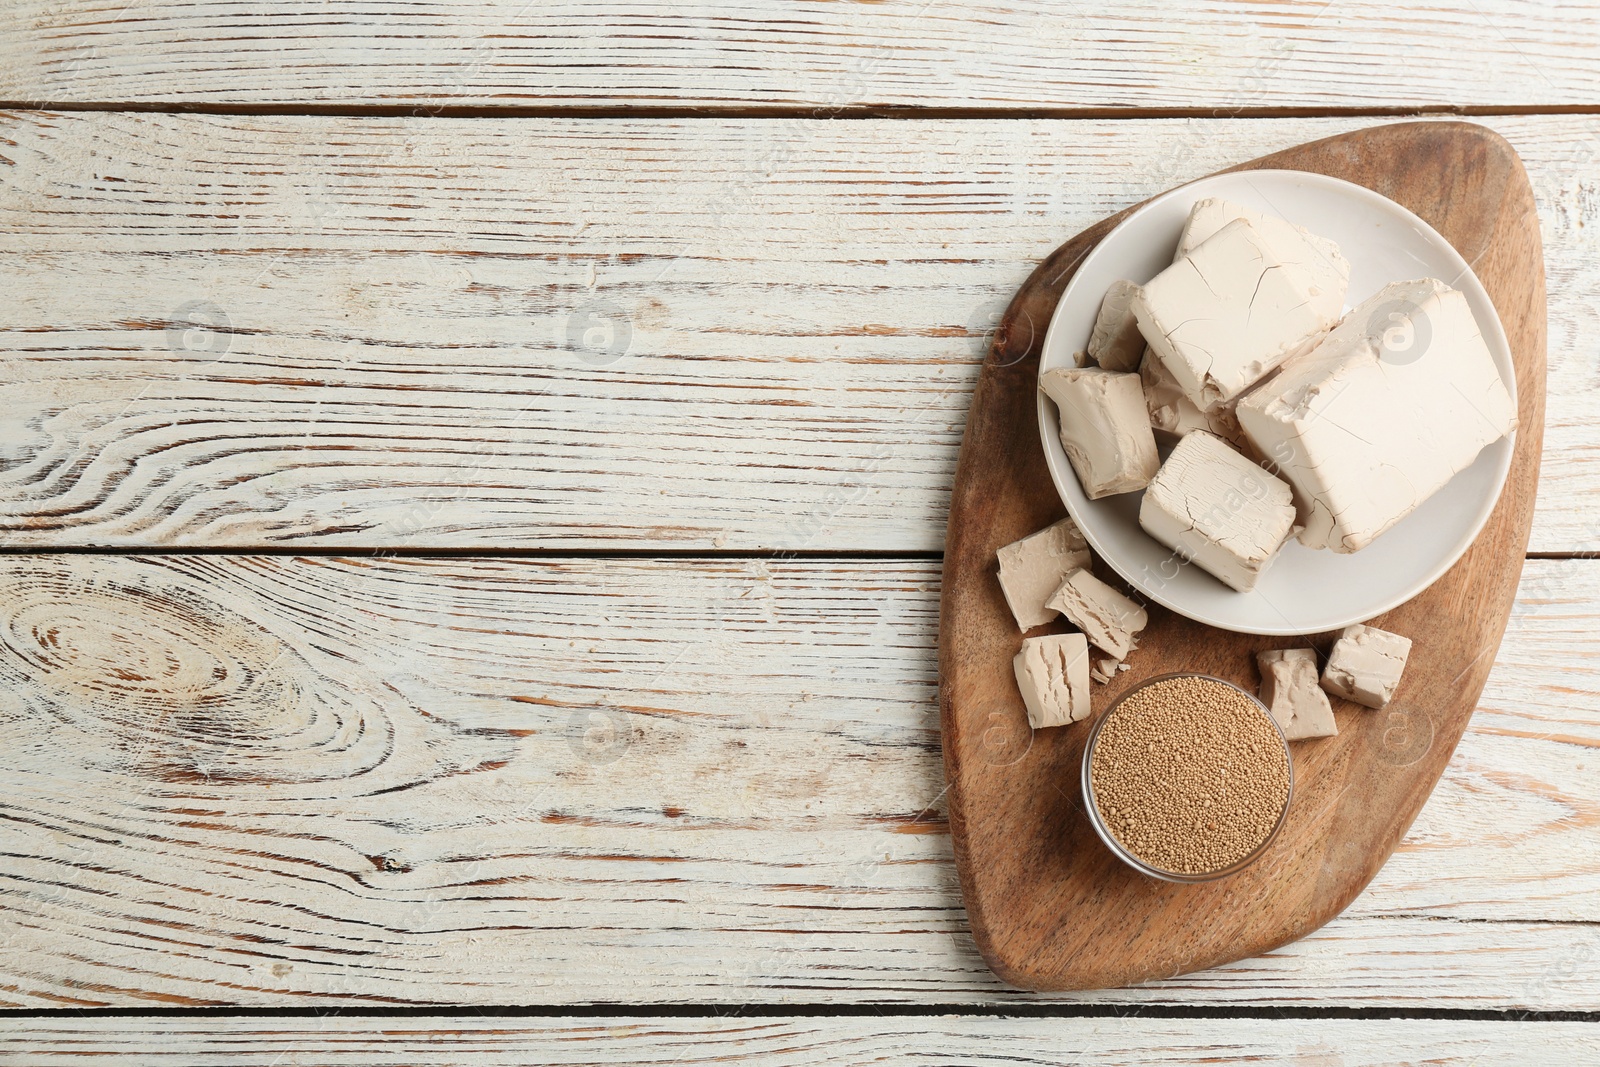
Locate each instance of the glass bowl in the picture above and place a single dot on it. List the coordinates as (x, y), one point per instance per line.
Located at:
(1110, 838)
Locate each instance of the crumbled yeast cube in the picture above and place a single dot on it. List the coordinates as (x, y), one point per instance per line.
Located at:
(1107, 618)
(1221, 511)
(1173, 413)
(1103, 667)
(1105, 428)
(1033, 568)
(1290, 691)
(1053, 676)
(1365, 665)
(1230, 311)
(1116, 343)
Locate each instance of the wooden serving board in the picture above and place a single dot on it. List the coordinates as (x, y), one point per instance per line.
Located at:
(1050, 907)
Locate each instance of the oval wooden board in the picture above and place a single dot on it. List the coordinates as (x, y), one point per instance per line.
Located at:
(1050, 908)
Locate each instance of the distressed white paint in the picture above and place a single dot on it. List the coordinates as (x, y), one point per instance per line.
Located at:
(1222, 54)
(795, 309)
(773, 1041)
(282, 781)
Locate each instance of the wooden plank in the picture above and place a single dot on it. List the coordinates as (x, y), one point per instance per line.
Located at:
(795, 310)
(809, 54)
(271, 780)
(778, 1040)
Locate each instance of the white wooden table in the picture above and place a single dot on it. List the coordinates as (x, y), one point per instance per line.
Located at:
(472, 479)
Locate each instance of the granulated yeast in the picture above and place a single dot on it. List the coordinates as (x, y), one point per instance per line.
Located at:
(1189, 775)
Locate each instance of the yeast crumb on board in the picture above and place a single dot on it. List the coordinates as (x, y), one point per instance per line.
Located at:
(1032, 569)
(1045, 575)
(1293, 695)
(1053, 676)
(1365, 665)
(1110, 620)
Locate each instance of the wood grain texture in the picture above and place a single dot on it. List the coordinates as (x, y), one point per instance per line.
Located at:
(471, 1041)
(800, 309)
(1050, 907)
(280, 781)
(809, 54)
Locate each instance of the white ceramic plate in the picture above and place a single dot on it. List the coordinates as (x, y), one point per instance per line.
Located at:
(1304, 590)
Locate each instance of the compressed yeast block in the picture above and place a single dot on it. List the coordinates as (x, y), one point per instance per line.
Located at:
(1033, 568)
(1115, 343)
(1228, 312)
(1219, 510)
(1175, 414)
(1326, 270)
(1105, 428)
(1291, 691)
(1365, 665)
(1053, 677)
(1107, 618)
(1396, 401)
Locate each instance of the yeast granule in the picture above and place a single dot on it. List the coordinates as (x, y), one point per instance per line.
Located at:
(1189, 775)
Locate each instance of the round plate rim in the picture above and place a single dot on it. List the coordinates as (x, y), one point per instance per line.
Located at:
(1494, 335)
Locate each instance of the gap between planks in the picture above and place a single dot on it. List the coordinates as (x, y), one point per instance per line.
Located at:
(822, 1009)
(775, 555)
(491, 552)
(723, 113)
